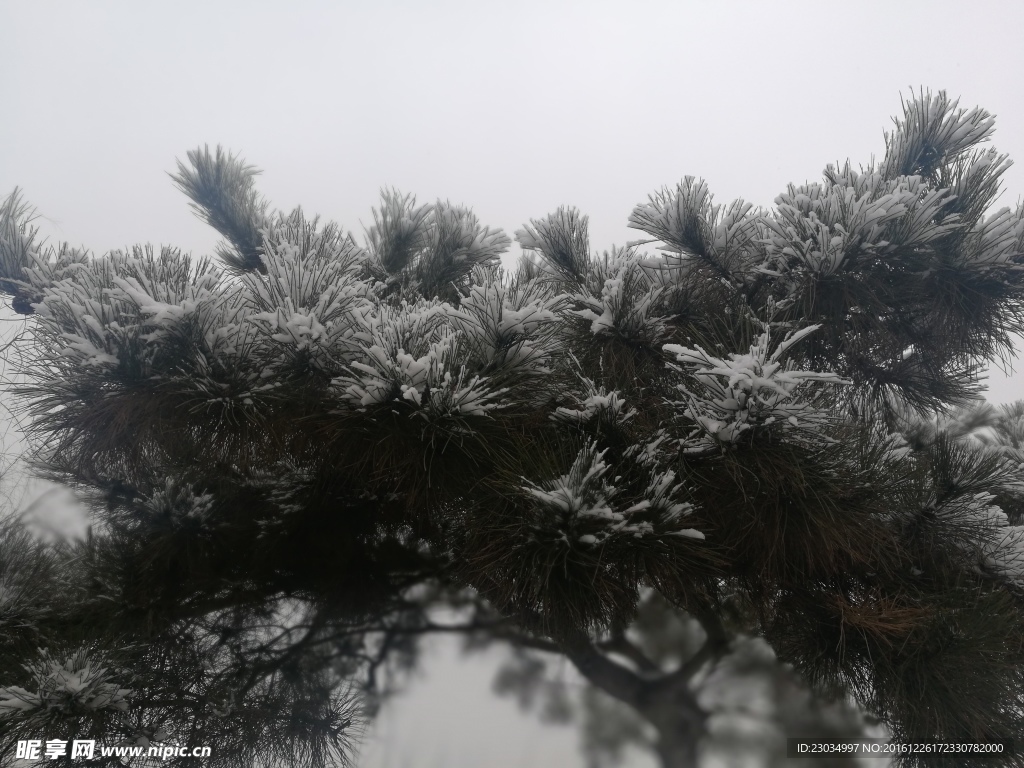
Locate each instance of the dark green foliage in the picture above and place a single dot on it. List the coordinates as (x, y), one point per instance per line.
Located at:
(771, 424)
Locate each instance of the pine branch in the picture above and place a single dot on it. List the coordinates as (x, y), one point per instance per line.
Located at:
(17, 251)
(933, 132)
(716, 644)
(562, 241)
(223, 194)
(621, 644)
(612, 678)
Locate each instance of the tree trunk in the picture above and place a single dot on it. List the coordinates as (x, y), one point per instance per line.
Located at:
(680, 724)
(677, 750)
(665, 701)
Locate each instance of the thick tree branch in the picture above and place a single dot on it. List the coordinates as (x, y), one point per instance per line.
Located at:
(621, 645)
(716, 645)
(612, 678)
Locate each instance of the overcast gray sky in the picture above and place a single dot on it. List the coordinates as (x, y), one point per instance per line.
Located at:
(512, 108)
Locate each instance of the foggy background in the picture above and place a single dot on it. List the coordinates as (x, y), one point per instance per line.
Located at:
(511, 108)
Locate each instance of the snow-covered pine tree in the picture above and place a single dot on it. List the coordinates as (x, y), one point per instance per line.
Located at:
(292, 450)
